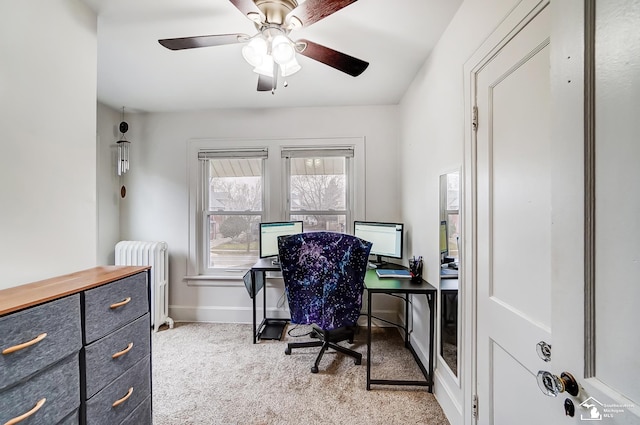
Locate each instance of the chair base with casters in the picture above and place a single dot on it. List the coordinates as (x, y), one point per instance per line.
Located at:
(329, 339)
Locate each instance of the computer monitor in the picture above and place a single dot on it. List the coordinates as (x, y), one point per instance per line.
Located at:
(269, 233)
(444, 239)
(385, 237)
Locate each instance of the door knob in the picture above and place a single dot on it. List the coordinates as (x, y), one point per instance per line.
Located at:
(552, 385)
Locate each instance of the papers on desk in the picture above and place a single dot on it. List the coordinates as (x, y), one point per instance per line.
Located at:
(396, 274)
(446, 273)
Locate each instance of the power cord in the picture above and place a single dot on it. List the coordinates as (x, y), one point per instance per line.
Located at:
(282, 301)
(306, 331)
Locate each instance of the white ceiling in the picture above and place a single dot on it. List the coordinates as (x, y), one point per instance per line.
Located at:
(135, 72)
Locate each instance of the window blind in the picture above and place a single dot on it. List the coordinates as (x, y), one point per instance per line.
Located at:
(235, 153)
(315, 152)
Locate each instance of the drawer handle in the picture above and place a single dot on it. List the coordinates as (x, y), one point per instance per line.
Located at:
(24, 344)
(24, 416)
(123, 352)
(121, 303)
(123, 399)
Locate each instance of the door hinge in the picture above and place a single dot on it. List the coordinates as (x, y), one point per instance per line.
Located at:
(474, 118)
(474, 406)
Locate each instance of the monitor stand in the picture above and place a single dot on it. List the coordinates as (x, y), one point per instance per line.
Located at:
(378, 263)
(276, 261)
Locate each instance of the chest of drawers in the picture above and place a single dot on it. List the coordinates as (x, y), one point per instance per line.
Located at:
(76, 349)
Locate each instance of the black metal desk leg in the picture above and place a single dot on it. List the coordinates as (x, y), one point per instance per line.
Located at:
(406, 320)
(432, 318)
(253, 301)
(264, 296)
(368, 340)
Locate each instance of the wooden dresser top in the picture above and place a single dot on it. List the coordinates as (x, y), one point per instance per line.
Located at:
(31, 294)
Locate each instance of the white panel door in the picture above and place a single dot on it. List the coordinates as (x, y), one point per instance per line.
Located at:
(596, 290)
(513, 227)
(553, 215)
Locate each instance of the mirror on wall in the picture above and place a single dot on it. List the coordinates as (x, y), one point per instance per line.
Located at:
(449, 267)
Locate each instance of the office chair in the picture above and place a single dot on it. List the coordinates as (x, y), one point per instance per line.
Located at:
(323, 274)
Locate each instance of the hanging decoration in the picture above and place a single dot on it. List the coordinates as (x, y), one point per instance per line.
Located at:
(123, 147)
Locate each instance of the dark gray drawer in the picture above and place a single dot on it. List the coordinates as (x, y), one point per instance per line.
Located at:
(141, 415)
(59, 386)
(72, 419)
(109, 307)
(59, 320)
(102, 367)
(136, 381)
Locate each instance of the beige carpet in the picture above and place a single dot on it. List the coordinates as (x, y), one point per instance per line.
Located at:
(205, 373)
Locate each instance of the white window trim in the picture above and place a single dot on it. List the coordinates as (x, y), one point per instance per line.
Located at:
(275, 188)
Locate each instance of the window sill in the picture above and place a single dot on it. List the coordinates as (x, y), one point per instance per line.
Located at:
(222, 281)
(207, 280)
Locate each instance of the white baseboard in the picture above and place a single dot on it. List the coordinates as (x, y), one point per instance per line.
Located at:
(447, 400)
(219, 314)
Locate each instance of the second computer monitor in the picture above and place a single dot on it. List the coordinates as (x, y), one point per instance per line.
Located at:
(385, 237)
(269, 233)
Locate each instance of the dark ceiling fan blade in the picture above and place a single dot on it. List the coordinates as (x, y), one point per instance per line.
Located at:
(202, 41)
(265, 83)
(333, 58)
(247, 7)
(311, 11)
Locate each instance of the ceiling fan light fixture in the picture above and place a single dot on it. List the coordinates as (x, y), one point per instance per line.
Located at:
(271, 52)
(266, 67)
(282, 50)
(255, 51)
(290, 67)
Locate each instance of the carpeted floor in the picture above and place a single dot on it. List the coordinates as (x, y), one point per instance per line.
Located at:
(206, 373)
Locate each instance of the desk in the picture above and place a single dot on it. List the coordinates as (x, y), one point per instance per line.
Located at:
(255, 280)
(374, 285)
(449, 323)
(449, 301)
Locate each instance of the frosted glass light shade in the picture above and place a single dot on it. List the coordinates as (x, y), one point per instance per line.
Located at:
(282, 50)
(255, 51)
(290, 67)
(266, 67)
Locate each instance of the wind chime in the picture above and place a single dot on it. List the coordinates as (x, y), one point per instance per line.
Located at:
(123, 152)
(123, 147)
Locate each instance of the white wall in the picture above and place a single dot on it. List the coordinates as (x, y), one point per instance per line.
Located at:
(48, 122)
(432, 142)
(156, 205)
(108, 183)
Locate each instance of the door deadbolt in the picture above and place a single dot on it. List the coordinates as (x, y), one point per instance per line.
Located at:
(569, 407)
(553, 385)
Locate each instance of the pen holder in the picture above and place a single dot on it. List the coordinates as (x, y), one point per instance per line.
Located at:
(415, 267)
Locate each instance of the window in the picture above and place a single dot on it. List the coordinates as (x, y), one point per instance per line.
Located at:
(319, 187)
(232, 206)
(234, 185)
(452, 213)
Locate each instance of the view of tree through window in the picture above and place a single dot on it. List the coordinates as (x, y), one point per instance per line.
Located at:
(318, 194)
(235, 200)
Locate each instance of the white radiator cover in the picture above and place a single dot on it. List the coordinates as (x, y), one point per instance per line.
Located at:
(156, 255)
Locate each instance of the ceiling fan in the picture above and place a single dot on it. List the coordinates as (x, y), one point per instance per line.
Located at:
(270, 51)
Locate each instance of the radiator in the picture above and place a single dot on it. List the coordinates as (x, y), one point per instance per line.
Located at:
(156, 255)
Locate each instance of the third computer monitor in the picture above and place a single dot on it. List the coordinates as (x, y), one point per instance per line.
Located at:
(385, 237)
